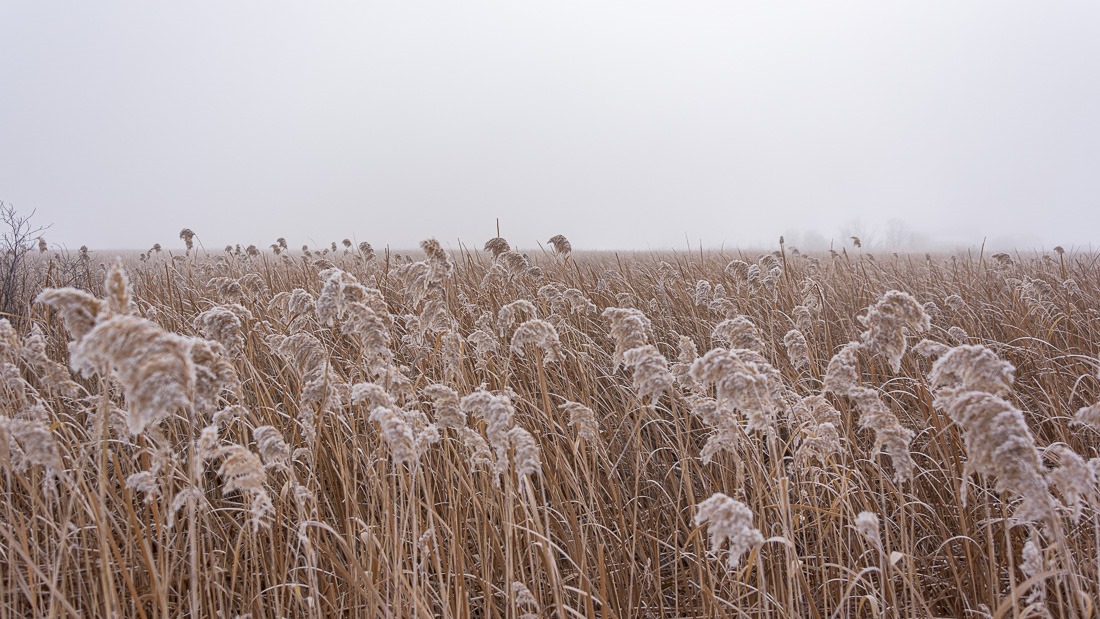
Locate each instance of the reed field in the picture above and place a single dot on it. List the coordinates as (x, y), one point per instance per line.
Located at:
(489, 432)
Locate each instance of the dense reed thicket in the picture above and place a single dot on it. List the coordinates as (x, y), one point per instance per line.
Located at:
(284, 433)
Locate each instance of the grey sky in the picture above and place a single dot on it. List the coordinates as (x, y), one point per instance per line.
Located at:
(619, 125)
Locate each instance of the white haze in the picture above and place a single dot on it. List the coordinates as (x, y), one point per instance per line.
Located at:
(620, 125)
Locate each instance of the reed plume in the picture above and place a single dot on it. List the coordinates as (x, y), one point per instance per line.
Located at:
(798, 350)
(480, 453)
(497, 246)
(817, 422)
(999, 444)
(242, 471)
(437, 258)
(528, 456)
(214, 375)
(448, 413)
(77, 308)
(540, 334)
(398, 435)
(728, 521)
(372, 395)
(651, 376)
(629, 329)
(342, 293)
(514, 263)
(687, 353)
(526, 606)
(305, 353)
(843, 378)
(582, 419)
(738, 332)
(970, 368)
(52, 374)
(888, 321)
(891, 438)
(153, 366)
(485, 346)
(188, 237)
(703, 293)
(35, 446)
(503, 433)
(561, 245)
(725, 428)
(224, 324)
(272, 447)
(117, 290)
(1075, 479)
(743, 381)
(516, 311)
(578, 302)
(867, 524)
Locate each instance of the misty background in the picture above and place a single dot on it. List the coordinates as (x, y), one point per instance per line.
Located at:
(619, 125)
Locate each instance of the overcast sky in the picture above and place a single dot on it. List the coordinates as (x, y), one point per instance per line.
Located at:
(632, 124)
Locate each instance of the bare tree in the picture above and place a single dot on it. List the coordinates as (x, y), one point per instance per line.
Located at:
(17, 235)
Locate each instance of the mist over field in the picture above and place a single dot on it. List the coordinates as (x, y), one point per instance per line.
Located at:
(624, 125)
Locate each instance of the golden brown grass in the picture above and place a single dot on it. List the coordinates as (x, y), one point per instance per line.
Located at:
(478, 435)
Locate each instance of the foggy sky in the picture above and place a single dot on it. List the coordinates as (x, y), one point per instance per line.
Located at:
(620, 125)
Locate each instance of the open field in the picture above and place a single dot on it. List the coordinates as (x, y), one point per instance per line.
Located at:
(343, 433)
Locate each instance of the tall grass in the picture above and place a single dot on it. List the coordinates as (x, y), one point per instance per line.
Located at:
(337, 432)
